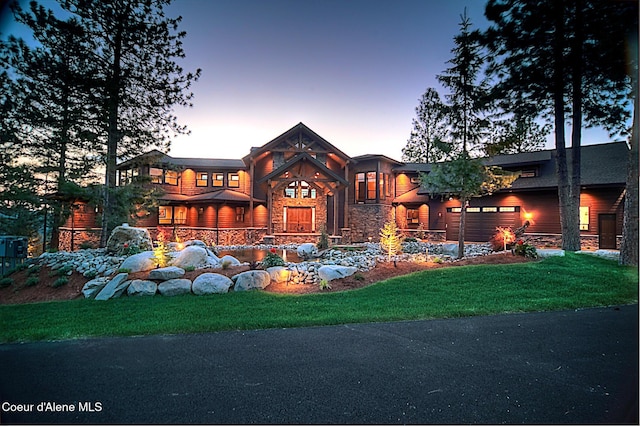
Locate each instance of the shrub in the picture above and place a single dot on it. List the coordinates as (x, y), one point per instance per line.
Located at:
(324, 285)
(323, 243)
(436, 260)
(272, 259)
(358, 276)
(124, 271)
(225, 264)
(502, 239)
(31, 281)
(130, 250)
(60, 282)
(5, 282)
(34, 270)
(420, 233)
(189, 268)
(410, 240)
(523, 249)
(91, 274)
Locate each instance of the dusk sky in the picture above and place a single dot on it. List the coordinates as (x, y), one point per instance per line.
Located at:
(351, 70)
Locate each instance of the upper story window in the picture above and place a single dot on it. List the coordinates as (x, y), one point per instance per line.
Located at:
(371, 185)
(233, 180)
(366, 186)
(155, 174)
(170, 177)
(217, 179)
(300, 189)
(127, 176)
(202, 179)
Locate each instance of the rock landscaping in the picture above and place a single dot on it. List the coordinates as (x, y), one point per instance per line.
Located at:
(110, 272)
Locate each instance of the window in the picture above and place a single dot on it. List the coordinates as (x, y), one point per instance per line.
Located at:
(290, 190)
(360, 187)
(299, 189)
(381, 184)
(413, 218)
(180, 215)
(233, 180)
(202, 179)
(165, 214)
(507, 209)
(387, 185)
(529, 173)
(489, 210)
(371, 185)
(155, 174)
(584, 218)
(239, 214)
(415, 180)
(217, 179)
(170, 177)
(473, 209)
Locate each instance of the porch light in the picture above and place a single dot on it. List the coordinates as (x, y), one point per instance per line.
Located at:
(528, 216)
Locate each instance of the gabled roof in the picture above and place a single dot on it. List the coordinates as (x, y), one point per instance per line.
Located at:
(156, 157)
(299, 128)
(304, 157)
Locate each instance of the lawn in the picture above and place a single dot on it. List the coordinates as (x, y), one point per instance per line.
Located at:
(570, 282)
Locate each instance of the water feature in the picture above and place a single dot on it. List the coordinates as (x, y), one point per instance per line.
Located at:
(256, 255)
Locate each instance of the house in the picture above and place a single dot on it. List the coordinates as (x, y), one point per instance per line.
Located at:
(298, 185)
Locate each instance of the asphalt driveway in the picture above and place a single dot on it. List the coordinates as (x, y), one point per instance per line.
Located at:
(558, 367)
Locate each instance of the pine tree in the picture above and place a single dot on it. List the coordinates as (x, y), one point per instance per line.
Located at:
(139, 80)
(557, 56)
(427, 141)
(391, 239)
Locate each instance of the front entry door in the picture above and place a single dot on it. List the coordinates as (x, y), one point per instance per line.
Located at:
(299, 219)
(607, 231)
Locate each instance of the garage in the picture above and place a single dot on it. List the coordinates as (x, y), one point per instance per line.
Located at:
(481, 222)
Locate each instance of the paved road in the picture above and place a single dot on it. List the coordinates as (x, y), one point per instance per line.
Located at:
(561, 367)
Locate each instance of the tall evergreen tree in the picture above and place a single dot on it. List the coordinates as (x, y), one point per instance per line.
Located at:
(50, 99)
(137, 47)
(468, 91)
(462, 175)
(557, 56)
(427, 143)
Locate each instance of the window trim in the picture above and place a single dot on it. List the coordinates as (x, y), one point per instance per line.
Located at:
(233, 180)
(199, 179)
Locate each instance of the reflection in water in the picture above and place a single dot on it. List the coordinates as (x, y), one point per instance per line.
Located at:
(256, 255)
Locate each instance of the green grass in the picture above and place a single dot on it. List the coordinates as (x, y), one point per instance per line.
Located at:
(575, 281)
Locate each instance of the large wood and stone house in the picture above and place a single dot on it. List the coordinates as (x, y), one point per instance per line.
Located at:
(297, 185)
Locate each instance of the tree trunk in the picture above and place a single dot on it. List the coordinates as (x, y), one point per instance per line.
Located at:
(571, 235)
(463, 218)
(113, 137)
(564, 189)
(629, 248)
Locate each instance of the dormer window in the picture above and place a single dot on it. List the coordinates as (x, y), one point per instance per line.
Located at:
(529, 173)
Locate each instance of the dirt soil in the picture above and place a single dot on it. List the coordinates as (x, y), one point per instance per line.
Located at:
(43, 291)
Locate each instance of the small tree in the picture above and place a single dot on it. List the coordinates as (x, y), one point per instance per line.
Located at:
(465, 177)
(391, 239)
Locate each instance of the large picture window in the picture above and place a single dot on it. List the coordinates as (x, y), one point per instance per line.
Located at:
(155, 174)
(360, 187)
(371, 185)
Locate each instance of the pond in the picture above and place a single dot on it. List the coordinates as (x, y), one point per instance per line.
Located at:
(256, 255)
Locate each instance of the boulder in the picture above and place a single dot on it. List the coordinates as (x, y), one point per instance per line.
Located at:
(93, 287)
(175, 287)
(126, 236)
(450, 249)
(139, 262)
(334, 272)
(542, 253)
(142, 288)
(211, 283)
(251, 280)
(232, 261)
(279, 274)
(192, 256)
(112, 286)
(307, 250)
(164, 274)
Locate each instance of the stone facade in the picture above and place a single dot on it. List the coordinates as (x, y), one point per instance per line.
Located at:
(366, 220)
(319, 205)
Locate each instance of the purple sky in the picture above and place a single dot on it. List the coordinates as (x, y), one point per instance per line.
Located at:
(351, 70)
